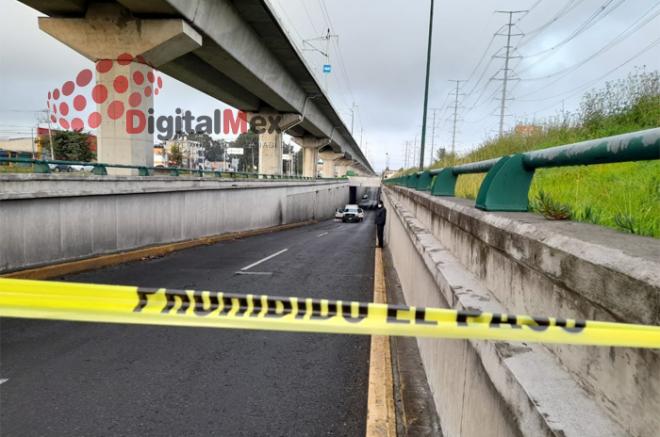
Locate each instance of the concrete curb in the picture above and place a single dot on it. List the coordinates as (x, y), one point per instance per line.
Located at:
(381, 417)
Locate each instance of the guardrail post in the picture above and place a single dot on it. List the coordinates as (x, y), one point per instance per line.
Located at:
(506, 186)
(100, 170)
(143, 171)
(444, 183)
(424, 181)
(41, 167)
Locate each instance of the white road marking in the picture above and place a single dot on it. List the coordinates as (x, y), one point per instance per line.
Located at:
(264, 259)
(253, 273)
(2, 381)
(324, 233)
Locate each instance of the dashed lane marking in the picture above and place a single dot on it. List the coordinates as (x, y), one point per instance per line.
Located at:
(263, 260)
(322, 234)
(254, 273)
(2, 381)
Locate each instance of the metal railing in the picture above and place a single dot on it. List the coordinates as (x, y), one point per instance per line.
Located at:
(508, 178)
(101, 169)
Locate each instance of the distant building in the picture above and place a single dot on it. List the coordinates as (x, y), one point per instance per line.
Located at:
(192, 151)
(36, 146)
(527, 129)
(160, 156)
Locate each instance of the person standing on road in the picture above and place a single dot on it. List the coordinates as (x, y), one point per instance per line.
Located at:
(381, 216)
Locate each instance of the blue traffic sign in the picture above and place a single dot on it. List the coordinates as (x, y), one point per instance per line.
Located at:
(327, 68)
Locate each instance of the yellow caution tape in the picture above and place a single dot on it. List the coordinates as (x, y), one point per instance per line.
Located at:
(212, 309)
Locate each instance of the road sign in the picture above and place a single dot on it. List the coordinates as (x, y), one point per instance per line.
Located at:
(327, 68)
(235, 150)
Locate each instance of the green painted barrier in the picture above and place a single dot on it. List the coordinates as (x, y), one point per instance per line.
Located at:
(508, 178)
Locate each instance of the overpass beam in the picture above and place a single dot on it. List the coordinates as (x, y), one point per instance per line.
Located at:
(125, 47)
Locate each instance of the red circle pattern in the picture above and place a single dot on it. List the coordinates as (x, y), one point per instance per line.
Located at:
(99, 94)
(79, 102)
(115, 110)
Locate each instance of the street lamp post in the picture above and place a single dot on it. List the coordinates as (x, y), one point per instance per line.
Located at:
(426, 89)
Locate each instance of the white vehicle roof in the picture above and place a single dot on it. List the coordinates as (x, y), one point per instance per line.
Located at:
(351, 206)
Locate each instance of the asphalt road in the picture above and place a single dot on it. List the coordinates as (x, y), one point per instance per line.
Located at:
(86, 379)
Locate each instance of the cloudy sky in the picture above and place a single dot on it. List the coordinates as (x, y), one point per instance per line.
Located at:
(378, 63)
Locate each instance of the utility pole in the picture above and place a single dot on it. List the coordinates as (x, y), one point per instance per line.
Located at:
(453, 134)
(426, 88)
(507, 57)
(50, 135)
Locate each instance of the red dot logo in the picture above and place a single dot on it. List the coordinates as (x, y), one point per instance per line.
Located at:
(122, 83)
(135, 99)
(79, 102)
(115, 110)
(94, 120)
(104, 65)
(99, 93)
(68, 88)
(84, 77)
(77, 124)
(138, 77)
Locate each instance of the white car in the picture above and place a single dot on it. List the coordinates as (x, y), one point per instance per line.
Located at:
(352, 213)
(78, 167)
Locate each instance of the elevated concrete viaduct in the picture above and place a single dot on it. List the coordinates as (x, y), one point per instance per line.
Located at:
(235, 51)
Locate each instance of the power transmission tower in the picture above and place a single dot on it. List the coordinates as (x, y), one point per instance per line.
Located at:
(406, 154)
(353, 106)
(433, 124)
(507, 71)
(456, 94)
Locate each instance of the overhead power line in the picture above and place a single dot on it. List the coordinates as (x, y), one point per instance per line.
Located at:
(571, 92)
(642, 21)
(531, 34)
(598, 15)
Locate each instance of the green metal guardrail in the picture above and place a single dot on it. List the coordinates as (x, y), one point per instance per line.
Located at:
(508, 178)
(100, 169)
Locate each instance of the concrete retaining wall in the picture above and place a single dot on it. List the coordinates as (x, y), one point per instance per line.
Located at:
(51, 218)
(449, 254)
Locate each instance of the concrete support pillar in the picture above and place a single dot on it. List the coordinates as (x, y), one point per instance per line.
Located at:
(329, 160)
(310, 161)
(270, 153)
(125, 50)
(270, 125)
(342, 166)
(311, 146)
(328, 170)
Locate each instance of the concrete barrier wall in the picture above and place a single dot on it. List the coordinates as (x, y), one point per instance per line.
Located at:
(50, 218)
(448, 253)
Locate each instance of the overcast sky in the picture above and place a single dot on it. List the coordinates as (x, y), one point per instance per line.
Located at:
(378, 62)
